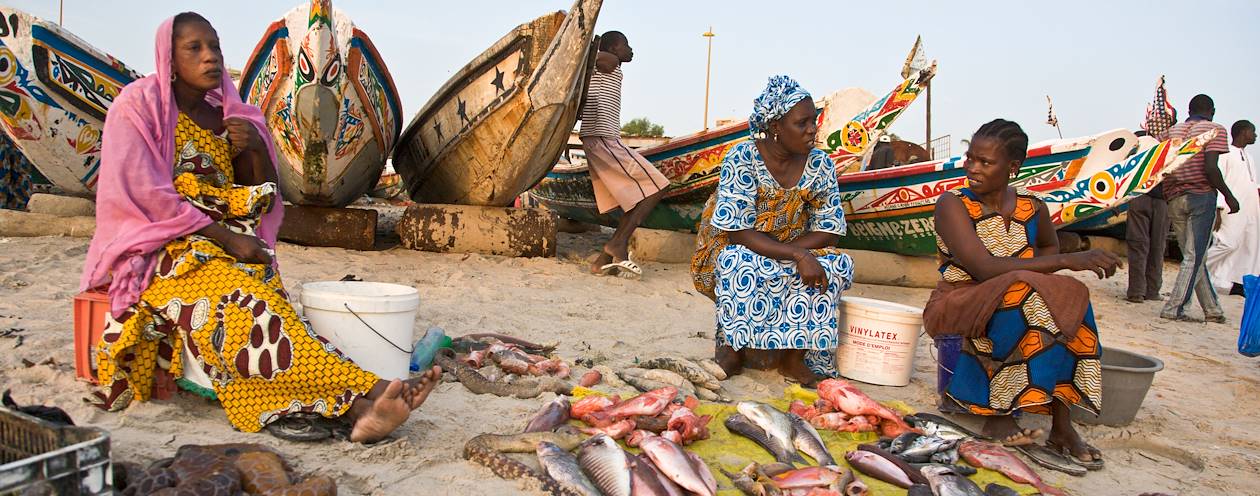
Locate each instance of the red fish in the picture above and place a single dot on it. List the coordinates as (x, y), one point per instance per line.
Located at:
(475, 359)
(689, 426)
(615, 430)
(636, 437)
(590, 378)
(806, 412)
(592, 404)
(650, 404)
(851, 400)
(839, 422)
(806, 478)
(995, 457)
(673, 436)
(824, 406)
(553, 367)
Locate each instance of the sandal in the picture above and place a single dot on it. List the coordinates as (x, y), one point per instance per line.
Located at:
(1095, 464)
(1051, 459)
(625, 269)
(299, 429)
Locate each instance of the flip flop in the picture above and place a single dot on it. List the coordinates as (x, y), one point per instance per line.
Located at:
(1067, 452)
(1051, 459)
(625, 269)
(299, 429)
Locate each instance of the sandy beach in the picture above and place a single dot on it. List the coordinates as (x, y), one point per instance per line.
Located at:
(1196, 433)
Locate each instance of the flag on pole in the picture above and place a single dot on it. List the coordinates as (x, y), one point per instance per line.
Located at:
(916, 61)
(1160, 114)
(1051, 119)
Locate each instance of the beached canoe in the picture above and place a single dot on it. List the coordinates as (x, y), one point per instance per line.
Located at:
(692, 162)
(891, 210)
(500, 123)
(329, 101)
(55, 89)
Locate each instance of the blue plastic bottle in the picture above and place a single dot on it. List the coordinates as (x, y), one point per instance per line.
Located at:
(427, 347)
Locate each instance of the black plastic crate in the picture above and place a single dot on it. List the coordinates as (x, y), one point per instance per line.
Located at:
(67, 460)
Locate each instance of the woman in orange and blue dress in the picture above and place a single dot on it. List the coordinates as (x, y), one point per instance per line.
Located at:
(187, 214)
(1030, 341)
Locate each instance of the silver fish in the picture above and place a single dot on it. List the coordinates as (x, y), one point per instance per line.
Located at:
(935, 425)
(995, 489)
(741, 425)
(550, 416)
(922, 449)
(606, 464)
(563, 467)
(776, 425)
(647, 480)
(900, 443)
(688, 471)
(963, 470)
(806, 439)
(945, 482)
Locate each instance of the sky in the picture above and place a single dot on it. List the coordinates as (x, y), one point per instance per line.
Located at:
(1098, 60)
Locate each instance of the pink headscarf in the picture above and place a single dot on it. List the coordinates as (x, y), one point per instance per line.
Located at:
(138, 210)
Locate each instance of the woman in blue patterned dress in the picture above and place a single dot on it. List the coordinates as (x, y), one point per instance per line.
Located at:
(766, 251)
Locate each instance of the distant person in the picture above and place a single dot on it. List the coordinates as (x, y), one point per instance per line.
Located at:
(1146, 235)
(1191, 193)
(766, 250)
(621, 177)
(1235, 250)
(882, 157)
(1031, 343)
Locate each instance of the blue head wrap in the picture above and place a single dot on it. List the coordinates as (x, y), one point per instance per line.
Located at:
(781, 94)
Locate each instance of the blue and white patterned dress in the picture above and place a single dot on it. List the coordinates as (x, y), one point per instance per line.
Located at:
(762, 302)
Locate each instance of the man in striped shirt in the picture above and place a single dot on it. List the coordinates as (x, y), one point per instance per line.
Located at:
(621, 177)
(1191, 193)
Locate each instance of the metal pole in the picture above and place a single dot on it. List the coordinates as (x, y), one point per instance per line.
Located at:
(61, 13)
(707, 67)
(930, 149)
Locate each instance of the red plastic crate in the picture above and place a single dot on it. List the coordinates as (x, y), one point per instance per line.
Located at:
(90, 308)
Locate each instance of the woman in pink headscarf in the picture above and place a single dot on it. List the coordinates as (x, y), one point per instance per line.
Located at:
(187, 215)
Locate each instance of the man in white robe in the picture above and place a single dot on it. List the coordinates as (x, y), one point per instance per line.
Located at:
(1235, 249)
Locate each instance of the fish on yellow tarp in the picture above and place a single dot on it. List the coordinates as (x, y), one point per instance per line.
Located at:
(728, 451)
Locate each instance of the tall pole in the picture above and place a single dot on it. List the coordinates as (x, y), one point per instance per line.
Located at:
(930, 149)
(708, 65)
(61, 13)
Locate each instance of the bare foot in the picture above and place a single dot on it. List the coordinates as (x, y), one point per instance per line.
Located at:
(388, 411)
(730, 360)
(418, 389)
(792, 366)
(603, 259)
(1064, 438)
(1004, 430)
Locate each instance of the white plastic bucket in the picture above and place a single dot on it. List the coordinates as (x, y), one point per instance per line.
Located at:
(371, 322)
(877, 340)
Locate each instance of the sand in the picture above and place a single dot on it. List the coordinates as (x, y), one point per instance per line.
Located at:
(1196, 432)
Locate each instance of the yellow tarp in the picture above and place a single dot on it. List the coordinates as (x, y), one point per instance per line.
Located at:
(733, 452)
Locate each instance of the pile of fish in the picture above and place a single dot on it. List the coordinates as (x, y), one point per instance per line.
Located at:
(511, 355)
(654, 413)
(699, 378)
(778, 479)
(843, 407)
(783, 434)
(663, 469)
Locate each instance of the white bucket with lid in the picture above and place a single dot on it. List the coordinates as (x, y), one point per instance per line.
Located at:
(877, 340)
(370, 322)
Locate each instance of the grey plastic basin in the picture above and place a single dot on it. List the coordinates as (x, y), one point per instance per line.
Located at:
(1126, 377)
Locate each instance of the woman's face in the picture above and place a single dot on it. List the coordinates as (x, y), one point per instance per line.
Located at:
(196, 58)
(988, 168)
(797, 128)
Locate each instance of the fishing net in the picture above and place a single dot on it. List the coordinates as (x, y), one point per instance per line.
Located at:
(733, 452)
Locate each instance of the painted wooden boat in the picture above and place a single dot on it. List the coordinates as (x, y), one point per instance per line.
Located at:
(692, 162)
(55, 89)
(500, 123)
(892, 209)
(329, 101)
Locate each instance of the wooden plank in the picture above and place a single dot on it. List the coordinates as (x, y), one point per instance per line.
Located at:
(350, 228)
(512, 232)
(15, 223)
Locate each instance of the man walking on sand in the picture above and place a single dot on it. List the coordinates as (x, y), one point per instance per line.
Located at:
(621, 177)
(1191, 193)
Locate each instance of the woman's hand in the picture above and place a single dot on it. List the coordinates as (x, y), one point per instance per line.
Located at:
(812, 273)
(1099, 262)
(243, 135)
(247, 249)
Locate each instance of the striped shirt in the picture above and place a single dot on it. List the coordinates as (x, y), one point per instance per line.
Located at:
(602, 114)
(1191, 177)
